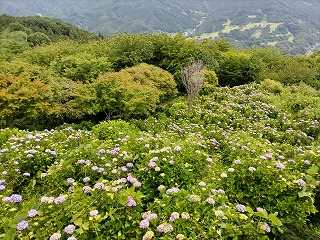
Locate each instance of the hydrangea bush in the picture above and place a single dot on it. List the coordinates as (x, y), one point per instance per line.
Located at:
(237, 167)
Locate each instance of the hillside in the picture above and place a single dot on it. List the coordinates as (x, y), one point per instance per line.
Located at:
(54, 29)
(244, 164)
(289, 25)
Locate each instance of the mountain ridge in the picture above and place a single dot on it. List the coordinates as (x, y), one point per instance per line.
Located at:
(298, 33)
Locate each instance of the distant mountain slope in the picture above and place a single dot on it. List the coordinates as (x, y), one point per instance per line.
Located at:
(54, 29)
(292, 25)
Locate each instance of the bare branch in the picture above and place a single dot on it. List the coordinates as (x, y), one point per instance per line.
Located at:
(193, 79)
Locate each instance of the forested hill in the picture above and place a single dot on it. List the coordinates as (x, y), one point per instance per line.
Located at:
(292, 25)
(38, 30)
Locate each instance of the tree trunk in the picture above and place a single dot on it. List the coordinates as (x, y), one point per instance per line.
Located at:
(9, 122)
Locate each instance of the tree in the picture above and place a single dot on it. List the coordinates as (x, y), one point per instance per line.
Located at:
(22, 98)
(118, 94)
(38, 38)
(81, 67)
(193, 79)
(151, 75)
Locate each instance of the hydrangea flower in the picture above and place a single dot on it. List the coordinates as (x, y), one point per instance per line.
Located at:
(210, 201)
(172, 190)
(15, 198)
(86, 189)
(301, 183)
(223, 175)
(152, 164)
(137, 184)
(185, 215)
(195, 198)
(265, 227)
(174, 216)
(131, 202)
(165, 228)
(70, 229)
(55, 236)
(130, 165)
(72, 238)
(60, 200)
(280, 165)
(144, 223)
(202, 184)
(2, 187)
(149, 235)
(180, 236)
(99, 186)
(93, 213)
(219, 213)
(22, 225)
(177, 149)
(241, 208)
(32, 213)
(86, 179)
(252, 169)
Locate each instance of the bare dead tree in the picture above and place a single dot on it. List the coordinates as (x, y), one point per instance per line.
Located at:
(193, 79)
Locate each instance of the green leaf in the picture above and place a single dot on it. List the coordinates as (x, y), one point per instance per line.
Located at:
(313, 170)
(275, 221)
(223, 225)
(34, 183)
(249, 210)
(78, 222)
(85, 226)
(304, 194)
(263, 214)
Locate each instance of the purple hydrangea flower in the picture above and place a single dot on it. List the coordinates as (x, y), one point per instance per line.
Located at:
(22, 225)
(70, 229)
(152, 164)
(32, 213)
(174, 216)
(144, 223)
(301, 183)
(2, 188)
(86, 179)
(241, 208)
(266, 227)
(172, 190)
(72, 238)
(15, 198)
(93, 213)
(280, 165)
(86, 189)
(210, 201)
(131, 202)
(59, 200)
(99, 186)
(130, 165)
(177, 149)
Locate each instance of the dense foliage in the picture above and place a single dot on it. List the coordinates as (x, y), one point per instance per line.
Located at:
(128, 75)
(238, 166)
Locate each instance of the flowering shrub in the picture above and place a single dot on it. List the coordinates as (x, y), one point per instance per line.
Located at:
(237, 167)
